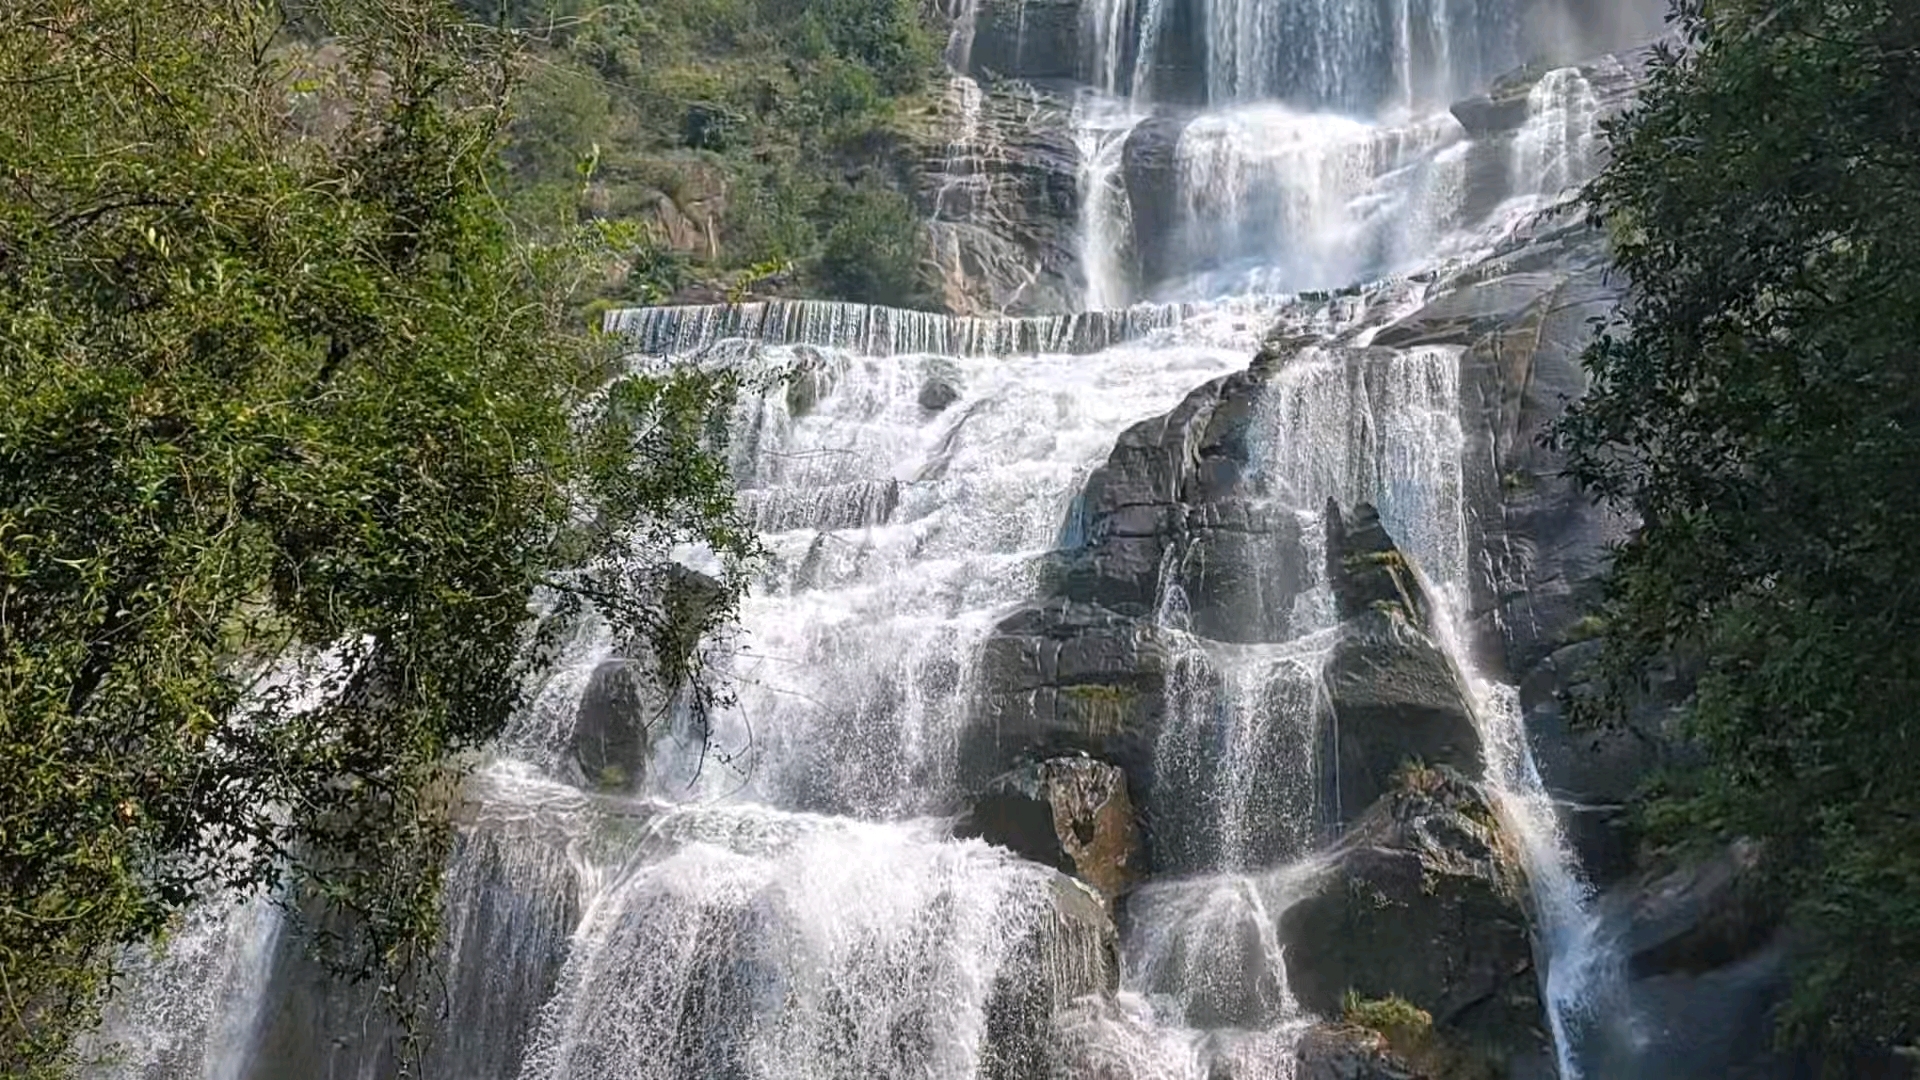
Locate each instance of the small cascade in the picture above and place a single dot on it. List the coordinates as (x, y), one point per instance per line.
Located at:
(1555, 150)
(882, 331)
(1101, 126)
(1234, 763)
(764, 944)
(213, 980)
(1280, 200)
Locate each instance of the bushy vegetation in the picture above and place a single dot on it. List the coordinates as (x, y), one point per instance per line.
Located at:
(1760, 410)
(754, 142)
(280, 382)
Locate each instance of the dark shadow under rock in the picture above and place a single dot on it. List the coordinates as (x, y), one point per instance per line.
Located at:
(1072, 814)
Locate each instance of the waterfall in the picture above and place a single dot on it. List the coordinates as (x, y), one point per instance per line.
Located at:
(775, 893)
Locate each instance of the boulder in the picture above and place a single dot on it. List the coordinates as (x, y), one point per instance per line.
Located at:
(1707, 968)
(1072, 814)
(1070, 954)
(1425, 899)
(1152, 170)
(610, 743)
(940, 385)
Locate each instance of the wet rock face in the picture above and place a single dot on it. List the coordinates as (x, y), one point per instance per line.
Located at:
(1084, 667)
(1395, 697)
(1072, 814)
(1393, 693)
(1706, 960)
(1536, 540)
(996, 176)
(1071, 954)
(1026, 39)
(1424, 898)
(1367, 570)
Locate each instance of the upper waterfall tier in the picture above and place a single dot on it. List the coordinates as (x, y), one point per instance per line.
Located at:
(1354, 56)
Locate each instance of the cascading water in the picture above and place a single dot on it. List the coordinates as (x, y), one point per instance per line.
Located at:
(779, 895)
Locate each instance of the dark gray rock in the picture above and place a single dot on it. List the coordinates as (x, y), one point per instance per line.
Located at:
(1366, 569)
(1085, 668)
(939, 386)
(1243, 567)
(1707, 963)
(1424, 898)
(1151, 170)
(610, 740)
(1026, 39)
(512, 902)
(1393, 693)
(1395, 697)
(1073, 814)
(1523, 318)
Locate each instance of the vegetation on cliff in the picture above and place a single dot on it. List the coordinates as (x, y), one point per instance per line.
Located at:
(1760, 409)
(755, 143)
(280, 378)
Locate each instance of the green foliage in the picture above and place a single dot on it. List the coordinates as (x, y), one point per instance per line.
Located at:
(739, 132)
(1410, 1034)
(1760, 409)
(872, 252)
(281, 386)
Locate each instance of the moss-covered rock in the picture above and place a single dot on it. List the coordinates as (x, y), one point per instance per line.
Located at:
(1425, 900)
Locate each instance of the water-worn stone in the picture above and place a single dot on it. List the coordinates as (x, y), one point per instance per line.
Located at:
(1085, 668)
(1071, 953)
(1073, 814)
(1424, 898)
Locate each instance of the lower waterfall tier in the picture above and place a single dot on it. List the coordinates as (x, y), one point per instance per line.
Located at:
(1093, 612)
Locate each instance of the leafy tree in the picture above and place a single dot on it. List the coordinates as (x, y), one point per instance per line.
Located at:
(280, 385)
(873, 251)
(1759, 407)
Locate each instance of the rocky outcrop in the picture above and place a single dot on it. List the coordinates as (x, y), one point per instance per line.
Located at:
(1026, 39)
(996, 176)
(1706, 959)
(610, 731)
(1424, 898)
(1393, 693)
(1085, 668)
(608, 745)
(1072, 814)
